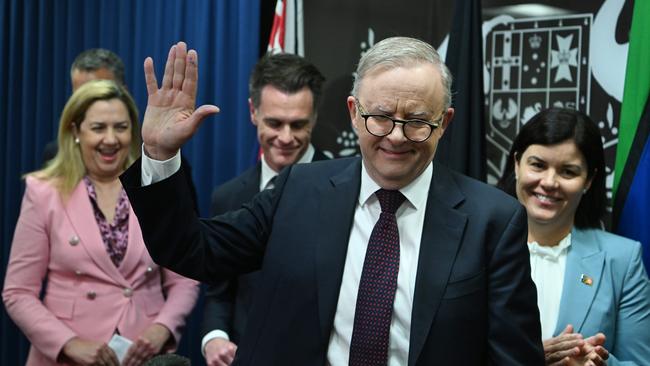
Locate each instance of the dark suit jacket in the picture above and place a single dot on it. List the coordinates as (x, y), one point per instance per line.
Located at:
(474, 301)
(227, 302)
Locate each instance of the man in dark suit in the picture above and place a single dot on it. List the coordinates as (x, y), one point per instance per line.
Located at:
(284, 93)
(387, 259)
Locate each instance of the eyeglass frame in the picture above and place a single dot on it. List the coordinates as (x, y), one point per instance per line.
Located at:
(433, 124)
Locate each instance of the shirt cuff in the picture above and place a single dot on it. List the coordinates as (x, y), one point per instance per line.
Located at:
(217, 333)
(156, 170)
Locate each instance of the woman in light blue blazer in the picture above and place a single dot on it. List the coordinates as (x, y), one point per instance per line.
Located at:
(593, 292)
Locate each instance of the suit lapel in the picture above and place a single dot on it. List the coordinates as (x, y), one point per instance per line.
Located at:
(134, 248)
(584, 258)
(341, 195)
(80, 213)
(318, 156)
(441, 237)
(251, 182)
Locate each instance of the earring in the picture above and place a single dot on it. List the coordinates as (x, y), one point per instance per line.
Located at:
(584, 191)
(76, 140)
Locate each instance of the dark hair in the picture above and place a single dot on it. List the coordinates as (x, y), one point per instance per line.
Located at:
(99, 58)
(553, 126)
(286, 72)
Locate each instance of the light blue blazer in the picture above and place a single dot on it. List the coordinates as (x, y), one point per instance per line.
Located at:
(616, 303)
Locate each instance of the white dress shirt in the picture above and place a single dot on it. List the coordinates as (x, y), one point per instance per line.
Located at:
(547, 267)
(267, 173)
(410, 223)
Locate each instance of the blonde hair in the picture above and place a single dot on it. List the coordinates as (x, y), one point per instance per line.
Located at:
(67, 168)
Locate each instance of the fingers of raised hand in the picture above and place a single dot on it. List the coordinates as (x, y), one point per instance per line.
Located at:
(169, 68)
(191, 74)
(150, 76)
(179, 65)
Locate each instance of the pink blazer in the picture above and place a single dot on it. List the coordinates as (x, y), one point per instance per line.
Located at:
(86, 295)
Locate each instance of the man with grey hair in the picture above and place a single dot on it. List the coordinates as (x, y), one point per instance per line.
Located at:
(406, 263)
(96, 63)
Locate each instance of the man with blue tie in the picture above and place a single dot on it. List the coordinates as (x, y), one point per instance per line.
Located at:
(386, 259)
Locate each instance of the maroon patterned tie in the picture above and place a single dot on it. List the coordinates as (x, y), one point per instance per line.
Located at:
(369, 345)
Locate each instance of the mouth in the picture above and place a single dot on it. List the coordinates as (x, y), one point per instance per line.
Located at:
(546, 199)
(285, 150)
(108, 155)
(390, 153)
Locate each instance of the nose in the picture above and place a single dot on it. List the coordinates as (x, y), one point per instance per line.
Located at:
(549, 180)
(110, 137)
(284, 135)
(397, 134)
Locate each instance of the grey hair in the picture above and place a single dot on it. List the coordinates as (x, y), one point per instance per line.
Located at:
(398, 52)
(99, 58)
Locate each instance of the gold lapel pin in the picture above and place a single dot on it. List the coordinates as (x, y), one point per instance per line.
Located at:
(586, 280)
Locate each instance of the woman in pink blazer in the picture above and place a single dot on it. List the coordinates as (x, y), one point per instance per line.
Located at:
(78, 238)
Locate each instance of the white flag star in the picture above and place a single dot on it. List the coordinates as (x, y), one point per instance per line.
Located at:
(563, 58)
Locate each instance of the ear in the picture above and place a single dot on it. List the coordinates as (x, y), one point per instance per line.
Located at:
(516, 165)
(446, 120)
(74, 129)
(352, 109)
(589, 181)
(251, 110)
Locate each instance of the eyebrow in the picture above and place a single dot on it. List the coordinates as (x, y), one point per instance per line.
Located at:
(273, 119)
(536, 158)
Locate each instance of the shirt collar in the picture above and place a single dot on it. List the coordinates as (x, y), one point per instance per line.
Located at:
(268, 173)
(415, 192)
(552, 252)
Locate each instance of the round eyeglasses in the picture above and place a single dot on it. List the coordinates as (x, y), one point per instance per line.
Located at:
(380, 125)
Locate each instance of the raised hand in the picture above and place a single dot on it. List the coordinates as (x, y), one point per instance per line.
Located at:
(171, 118)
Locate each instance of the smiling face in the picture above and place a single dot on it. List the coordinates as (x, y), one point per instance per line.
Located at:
(104, 139)
(412, 92)
(550, 184)
(284, 124)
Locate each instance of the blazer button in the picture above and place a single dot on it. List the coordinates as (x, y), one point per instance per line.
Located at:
(149, 270)
(78, 273)
(74, 240)
(91, 295)
(127, 292)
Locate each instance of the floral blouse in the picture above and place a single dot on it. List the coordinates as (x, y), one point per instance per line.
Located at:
(116, 233)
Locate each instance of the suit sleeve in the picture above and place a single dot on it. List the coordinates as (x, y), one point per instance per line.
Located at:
(26, 270)
(203, 249)
(514, 333)
(632, 342)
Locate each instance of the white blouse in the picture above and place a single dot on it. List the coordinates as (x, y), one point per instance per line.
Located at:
(547, 267)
